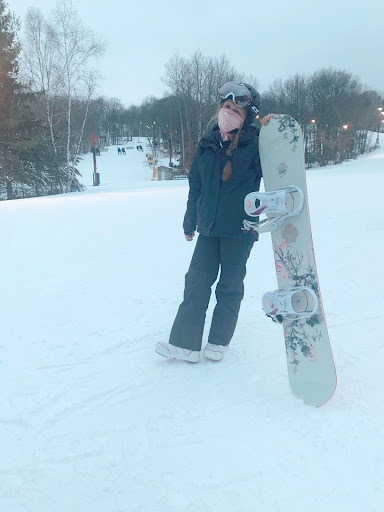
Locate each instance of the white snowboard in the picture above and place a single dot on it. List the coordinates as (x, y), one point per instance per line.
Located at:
(311, 369)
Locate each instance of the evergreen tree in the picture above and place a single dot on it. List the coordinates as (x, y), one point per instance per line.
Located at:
(17, 124)
(9, 50)
(23, 144)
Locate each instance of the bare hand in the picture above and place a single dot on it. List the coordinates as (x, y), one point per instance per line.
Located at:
(189, 238)
(266, 119)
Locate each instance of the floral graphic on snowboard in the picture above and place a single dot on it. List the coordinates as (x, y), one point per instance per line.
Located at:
(311, 369)
(290, 129)
(289, 262)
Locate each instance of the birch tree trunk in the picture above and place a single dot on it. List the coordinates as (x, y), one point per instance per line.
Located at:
(182, 133)
(57, 56)
(40, 57)
(90, 84)
(77, 48)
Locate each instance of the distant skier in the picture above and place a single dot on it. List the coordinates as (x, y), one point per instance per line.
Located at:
(123, 151)
(215, 208)
(119, 151)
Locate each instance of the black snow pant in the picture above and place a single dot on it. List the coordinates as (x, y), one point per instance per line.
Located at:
(212, 253)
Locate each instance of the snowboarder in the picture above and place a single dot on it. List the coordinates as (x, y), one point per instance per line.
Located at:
(226, 167)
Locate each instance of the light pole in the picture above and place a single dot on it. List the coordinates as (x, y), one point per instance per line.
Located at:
(170, 148)
(312, 145)
(96, 175)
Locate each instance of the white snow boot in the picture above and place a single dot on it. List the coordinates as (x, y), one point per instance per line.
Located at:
(291, 302)
(214, 352)
(173, 352)
(276, 205)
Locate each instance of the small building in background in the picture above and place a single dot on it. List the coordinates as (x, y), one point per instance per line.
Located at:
(164, 173)
(167, 173)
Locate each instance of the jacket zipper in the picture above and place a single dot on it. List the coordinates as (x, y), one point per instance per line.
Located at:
(217, 204)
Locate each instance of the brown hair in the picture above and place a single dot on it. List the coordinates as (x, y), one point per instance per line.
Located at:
(227, 171)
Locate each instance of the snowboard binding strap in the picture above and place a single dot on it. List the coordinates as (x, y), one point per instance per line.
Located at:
(278, 319)
(290, 303)
(277, 206)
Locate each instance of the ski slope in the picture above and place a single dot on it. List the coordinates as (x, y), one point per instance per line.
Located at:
(92, 419)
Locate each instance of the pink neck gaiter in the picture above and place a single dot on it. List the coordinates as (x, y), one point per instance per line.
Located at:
(228, 120)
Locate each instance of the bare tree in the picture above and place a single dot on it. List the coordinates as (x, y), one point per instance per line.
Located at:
(77, 47)
(40, 64)
(88, 89)
(114, 113)
(58, 54)
(195, 82)
(333, 110)
(177, 79)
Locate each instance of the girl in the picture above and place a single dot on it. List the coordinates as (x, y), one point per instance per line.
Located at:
(225, 168)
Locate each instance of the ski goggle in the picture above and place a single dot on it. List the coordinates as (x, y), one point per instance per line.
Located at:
(237, 92)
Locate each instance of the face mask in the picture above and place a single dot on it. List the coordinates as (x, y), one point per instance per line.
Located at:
(228, 120)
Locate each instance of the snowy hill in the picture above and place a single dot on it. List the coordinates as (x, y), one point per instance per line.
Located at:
(93, 420)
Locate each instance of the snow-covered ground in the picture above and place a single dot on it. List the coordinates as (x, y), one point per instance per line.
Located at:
(92, 419)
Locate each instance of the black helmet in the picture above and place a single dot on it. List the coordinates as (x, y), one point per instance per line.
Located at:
(243, 95)
(254, 106)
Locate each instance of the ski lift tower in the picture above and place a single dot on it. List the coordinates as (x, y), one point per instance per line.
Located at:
(96, 175)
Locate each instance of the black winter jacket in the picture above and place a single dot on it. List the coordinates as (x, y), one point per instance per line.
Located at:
(216, 207)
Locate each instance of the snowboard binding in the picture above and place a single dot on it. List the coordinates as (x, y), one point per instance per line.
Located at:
(278, 319)
(290, 303)
(277, 206)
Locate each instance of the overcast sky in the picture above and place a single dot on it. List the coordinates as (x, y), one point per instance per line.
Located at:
(269, 39)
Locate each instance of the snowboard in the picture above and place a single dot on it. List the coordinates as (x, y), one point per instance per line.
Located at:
(311, 369)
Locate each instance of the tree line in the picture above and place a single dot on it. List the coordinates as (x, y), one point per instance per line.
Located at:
(49, 107)
(46, 86)
(336, 112)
